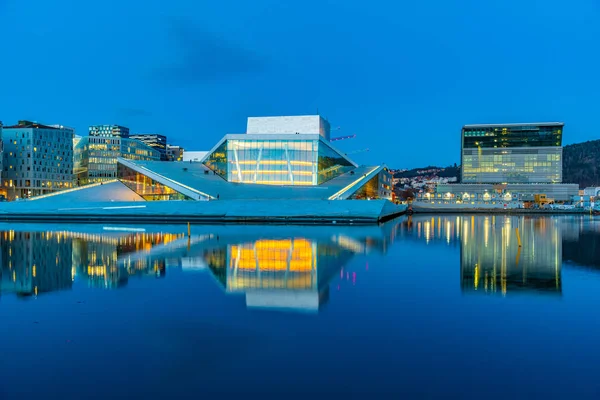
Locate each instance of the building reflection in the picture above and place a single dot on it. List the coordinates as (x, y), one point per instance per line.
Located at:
(37, 262)
(102, 260)
(292, 273)
(491, 260)
(34, 262)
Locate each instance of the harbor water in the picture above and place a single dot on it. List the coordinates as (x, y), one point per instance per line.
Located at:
(423, 306)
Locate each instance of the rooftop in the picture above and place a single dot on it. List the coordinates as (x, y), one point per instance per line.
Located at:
(29, 125)
(515, 124)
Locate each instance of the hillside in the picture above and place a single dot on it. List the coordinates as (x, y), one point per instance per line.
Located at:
(442, 172)
(581, 163)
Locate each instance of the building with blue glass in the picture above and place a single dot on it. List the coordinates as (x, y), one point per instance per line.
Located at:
(95, 156)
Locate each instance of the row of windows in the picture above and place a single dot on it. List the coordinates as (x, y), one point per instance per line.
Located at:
(37, 183)
(39, 169)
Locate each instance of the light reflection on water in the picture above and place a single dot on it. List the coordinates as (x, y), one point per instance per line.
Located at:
(265, 268)
(380, 304)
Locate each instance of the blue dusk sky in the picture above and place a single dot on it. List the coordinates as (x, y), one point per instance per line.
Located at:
(403, 76)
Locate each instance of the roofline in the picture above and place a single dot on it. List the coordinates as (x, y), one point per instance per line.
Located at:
(288, 116)
(516, 124)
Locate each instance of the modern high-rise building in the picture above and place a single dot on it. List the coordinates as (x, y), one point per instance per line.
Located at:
(37, 159)
(154, 140)
(512, 153)
(109, 131)
(506, 165)
(96, 155)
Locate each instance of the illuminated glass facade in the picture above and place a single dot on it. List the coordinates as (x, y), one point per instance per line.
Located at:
(146, 187)
(277, 160)
(154, 140)
(96, 157)
(513, 153)
(378, 187)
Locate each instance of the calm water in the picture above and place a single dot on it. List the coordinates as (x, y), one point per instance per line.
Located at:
(420, 307)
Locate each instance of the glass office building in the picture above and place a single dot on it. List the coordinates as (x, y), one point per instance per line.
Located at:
(109, 130)
(154, 140)
(512, 153)
(96, 157)
(296, 159)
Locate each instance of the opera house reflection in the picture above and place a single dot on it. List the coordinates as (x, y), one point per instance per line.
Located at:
(288, 268)
(277, 271)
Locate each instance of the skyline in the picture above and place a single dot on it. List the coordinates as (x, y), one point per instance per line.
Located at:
(195, 72)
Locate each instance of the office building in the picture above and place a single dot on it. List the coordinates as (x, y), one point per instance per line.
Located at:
(506, 165)
(37, 159)
(109, 131)
(96, 156)
(512, 153)
(154, 140)
(175, 153)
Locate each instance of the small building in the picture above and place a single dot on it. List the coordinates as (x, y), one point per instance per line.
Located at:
(175, 153)
(37, 159)
(591, 192)
(154, 140)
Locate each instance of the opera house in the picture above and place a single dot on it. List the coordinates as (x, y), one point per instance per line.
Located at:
(282, 169)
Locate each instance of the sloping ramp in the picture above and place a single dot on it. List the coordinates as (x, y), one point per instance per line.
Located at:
(107, 191)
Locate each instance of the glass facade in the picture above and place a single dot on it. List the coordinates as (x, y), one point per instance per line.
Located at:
(96, 157)
(277, 162)
(154, 140)
(378, 187)
(147, 188)
(528, 153)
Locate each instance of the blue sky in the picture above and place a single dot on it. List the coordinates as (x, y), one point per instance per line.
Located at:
(403, 76)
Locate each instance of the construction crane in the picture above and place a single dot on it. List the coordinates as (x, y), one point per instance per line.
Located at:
(335, 139)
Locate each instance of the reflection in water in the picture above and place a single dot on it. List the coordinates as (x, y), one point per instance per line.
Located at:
(491, 259)
(292, 268)
(283, 273)
(38, 262)
(277, 271)
(95, 256)
(34, 262)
